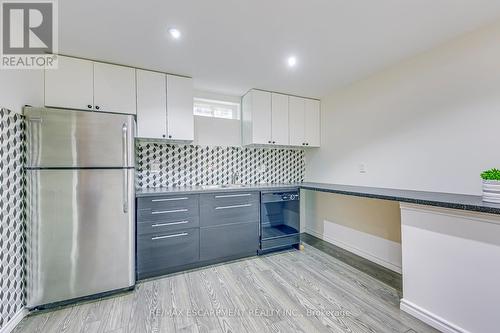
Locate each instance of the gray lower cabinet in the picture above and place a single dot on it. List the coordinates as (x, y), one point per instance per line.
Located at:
(176, 232)
(158, 253)
(229, 240)
(168, 233)
(229, 224)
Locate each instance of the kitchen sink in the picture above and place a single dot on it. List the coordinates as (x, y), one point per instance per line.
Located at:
(208, 187)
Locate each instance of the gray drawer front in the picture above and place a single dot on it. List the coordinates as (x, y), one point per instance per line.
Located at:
(229, 198)
(229, 240)
(167, 215)
(161, 226)
(165, 209)
(164, 250)
(168, 202)
(225, 208)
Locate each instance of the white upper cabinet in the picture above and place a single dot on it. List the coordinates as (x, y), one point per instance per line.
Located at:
(312, 123)
(70, 85)
(304, 122)
(256, 117)
(180, 118)
(88, 85)
(151, 105)
(164, 106)
(296, 121)
(279, 119)
(114, 88)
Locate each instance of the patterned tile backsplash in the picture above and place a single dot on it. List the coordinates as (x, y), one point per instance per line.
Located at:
(12, 194)
(160, 165)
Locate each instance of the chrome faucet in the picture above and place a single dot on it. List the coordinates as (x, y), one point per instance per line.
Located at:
(234, 177)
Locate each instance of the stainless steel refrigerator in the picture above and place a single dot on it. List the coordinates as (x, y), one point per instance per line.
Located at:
(80, 204)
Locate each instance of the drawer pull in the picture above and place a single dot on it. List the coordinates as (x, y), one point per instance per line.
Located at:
(169, 199)
(233, 195)
(235, 206)
(171, 223)
(169, 236)
(169, 211)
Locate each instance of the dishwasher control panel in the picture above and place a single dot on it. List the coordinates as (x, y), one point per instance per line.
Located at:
(280, 196)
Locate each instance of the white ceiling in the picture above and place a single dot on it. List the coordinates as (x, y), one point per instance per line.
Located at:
(229, 46)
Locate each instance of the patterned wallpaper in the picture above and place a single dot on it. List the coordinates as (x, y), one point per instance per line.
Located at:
(12, 235)
(161, 165)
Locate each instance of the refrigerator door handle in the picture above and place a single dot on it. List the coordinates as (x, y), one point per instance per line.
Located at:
(125, 191)
(124, 145)
(125, 165)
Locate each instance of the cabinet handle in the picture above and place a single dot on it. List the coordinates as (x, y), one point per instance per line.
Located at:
(164, 135)
(169, 236)
(170, 137)
(169, 199)
(269, 141)
(274, 142)
(169, 211)
(89, 106)
(97, 107)
(235, 206)
(165, 224)
(232, 195)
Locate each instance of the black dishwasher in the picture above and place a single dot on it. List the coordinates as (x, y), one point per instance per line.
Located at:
(279, 220)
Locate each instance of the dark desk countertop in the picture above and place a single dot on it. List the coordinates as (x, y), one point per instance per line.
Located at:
(445, 200)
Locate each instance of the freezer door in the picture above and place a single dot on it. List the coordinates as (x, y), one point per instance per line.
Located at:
(80, 233)
(68, 138)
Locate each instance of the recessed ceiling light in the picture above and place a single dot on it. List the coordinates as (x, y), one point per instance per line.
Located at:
(291, 61)
(175, 33)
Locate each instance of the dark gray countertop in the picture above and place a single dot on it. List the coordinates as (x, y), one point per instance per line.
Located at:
(207, 189)
(446, 200)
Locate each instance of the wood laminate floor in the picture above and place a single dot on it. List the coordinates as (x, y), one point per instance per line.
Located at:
(381, 273)
(294, 291)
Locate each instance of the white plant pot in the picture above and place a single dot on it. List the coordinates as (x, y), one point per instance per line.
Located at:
(491, 191)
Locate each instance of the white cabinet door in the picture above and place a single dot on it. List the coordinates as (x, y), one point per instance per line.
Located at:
(296, 120)
(279, 116)
(180, 118)
(151, 105)
(114, 88)
(312, 136)
(261, 117)
(70, 85)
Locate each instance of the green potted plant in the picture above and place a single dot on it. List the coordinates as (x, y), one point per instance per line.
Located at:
(491, 185)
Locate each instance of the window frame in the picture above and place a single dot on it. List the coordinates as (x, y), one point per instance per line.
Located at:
(213, 103)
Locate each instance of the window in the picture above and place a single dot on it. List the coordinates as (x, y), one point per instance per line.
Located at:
(216, 109)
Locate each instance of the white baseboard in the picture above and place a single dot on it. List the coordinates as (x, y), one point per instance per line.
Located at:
(12, 323)
(429, 318)
(381, 251)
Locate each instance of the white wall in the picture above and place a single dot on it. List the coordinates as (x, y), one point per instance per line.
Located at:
(21, 87)
(217, 131)
(216, 96)
(370, 228)
(429, 123)
(450, 268)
